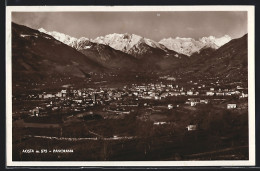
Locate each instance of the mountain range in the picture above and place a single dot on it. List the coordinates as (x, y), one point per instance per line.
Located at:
(39, 53)
(121, 51)
(129, 43)
(188, 46)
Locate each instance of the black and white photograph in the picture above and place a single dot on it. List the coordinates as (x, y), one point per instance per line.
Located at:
(129, 85)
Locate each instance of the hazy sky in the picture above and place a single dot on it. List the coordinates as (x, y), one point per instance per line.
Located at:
(153, 25)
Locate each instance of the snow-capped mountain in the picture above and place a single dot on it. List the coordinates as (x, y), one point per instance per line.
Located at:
(129, 43)
(185, 46)
(213, 40)
(52, 57)
(188, 46)
(104, 54)
(66, 39)
(81, 43)
(137, 45)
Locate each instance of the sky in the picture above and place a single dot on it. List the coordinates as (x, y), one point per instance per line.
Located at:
(152, 25)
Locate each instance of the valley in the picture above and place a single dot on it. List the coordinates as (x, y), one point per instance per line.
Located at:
(125, 97)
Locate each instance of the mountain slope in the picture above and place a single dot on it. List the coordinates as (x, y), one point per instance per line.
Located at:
(107, 56)
(104, 54)
(66, 39)
(37, 55)
(227, 62)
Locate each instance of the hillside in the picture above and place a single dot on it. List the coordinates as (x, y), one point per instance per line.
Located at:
(227, 62)
(36, 55)
(107, 56)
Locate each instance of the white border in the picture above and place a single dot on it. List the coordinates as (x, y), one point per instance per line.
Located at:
(251, 84)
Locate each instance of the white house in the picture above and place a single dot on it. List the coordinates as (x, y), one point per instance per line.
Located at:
(183, 93)
(206, 101)
(193, 103)
(191, 127)
(220, 93)
(157, 97)
(58, 94)
(231, 106)
(210, 93)
(78, 100)
(36, 111)
(164, 95)
(170, 106)
(243, 95)
(46, 96)
(190, 93)
(159, 123)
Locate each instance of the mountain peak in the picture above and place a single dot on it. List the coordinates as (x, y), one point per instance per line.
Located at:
(188, 46)
(66, 39)
(184, 38)
(123, 42)
(126, 41)
(42, 30)
(83, 39)
(227, 36)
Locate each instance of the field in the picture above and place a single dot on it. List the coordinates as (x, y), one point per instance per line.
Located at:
(222, 134)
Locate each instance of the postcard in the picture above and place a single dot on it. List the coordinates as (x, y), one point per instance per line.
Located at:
(130, 86)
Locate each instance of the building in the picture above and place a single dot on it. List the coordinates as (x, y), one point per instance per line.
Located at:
(174, 93)
(159, 123)
(63, 93)
(194, 101)
(191, 127)
(47, 96)
(196, 93)
(36, 111)
(228, 94)
(183, 93)
(164, 95)
(210, 93)
(170, 106)
(94, 98)
(190, 93)
(171, 79)
(239, 88)
(157, 97)
(231, 106)
(220, 93)
(78, 100)
(243, 95)
(206, 101)
(58, 94)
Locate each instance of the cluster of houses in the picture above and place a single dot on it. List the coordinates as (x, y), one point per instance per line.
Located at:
(159, 91)
(80, 99)
(195, 101)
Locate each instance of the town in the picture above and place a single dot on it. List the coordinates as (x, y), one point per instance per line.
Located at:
(167, 104)
(79, 100)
